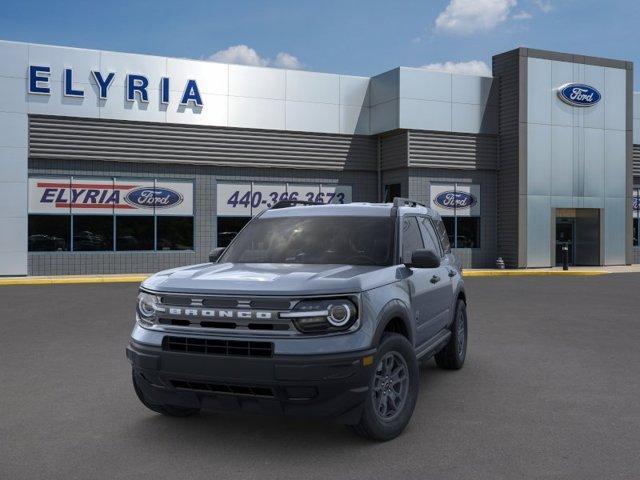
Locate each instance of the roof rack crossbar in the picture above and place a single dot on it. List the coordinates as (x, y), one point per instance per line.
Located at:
(291, 203)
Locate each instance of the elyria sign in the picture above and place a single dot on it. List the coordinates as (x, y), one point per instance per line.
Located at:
(453, 200)
(578, 94)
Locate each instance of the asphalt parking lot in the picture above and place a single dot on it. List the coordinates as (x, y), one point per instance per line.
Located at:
(551, 389)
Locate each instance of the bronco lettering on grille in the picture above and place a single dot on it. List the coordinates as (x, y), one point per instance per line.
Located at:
(217, 313)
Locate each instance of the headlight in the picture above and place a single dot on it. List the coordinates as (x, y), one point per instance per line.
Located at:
(146, 308)
(323, 315)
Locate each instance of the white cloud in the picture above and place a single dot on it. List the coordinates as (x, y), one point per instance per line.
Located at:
(522, 15)
(545, 6)
(473, 67)
(245, 55)
(286, 60)
(464, 17)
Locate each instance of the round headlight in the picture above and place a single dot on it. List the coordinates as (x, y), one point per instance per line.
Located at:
(146, 305)
(339, 314)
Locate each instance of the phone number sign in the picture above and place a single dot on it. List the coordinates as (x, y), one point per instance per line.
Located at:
(249, 199)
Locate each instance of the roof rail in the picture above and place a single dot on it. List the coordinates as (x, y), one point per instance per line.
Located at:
(405, 202)
(291, 203)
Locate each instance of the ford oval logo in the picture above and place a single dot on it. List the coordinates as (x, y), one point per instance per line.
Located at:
(453, 200)
(636, 203)
(149, 197)
(579, 94)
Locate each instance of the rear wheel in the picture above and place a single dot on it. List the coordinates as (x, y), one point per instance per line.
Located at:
(452, 356)
(393, 390)
(169, 410)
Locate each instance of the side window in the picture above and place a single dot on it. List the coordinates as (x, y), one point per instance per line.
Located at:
(431, 241)
(411, 238)
(442, 234)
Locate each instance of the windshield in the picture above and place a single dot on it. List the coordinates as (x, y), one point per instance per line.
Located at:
(319, 240)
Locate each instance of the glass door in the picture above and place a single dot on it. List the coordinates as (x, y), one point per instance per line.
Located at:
(565, 229)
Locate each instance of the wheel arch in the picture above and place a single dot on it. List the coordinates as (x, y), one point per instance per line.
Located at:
(395, 317)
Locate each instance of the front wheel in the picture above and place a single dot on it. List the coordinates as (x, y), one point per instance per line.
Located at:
(393, 390)
(452, 356)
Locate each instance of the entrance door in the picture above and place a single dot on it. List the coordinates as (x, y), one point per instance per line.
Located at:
(579, 230)
(565, 229)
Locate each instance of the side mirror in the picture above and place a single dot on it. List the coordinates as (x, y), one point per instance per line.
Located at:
(424, 259)
(215, 254)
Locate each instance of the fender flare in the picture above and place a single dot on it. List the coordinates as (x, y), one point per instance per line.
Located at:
(394, 309)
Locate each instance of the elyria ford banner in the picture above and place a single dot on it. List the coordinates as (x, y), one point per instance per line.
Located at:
(106, 195)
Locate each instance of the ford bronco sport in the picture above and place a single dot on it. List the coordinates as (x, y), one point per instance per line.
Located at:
(312, 310)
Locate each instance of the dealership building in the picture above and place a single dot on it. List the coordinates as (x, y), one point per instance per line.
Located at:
(117, 162)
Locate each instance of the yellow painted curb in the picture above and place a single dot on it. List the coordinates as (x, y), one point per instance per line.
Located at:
(68, 280)
(533, 273)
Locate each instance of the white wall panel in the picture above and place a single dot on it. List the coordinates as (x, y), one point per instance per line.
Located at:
(561, 160)
(257, 82)
(615, 163)
(594, 171)
(13, 94)
(313, 87)
(385, 87)
(423, 84)
(354, 120)
(593, 117)
(425, 115)
(385, 116)
(312, 117)
(616, 100)
(539, 91)
(538, 159)
(256, 113)
(14, 59)
(13, 164)
(470, 89)
(354, 91)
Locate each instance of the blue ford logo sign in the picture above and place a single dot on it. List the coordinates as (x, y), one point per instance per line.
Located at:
(149, 197)
(453, 200)
(579, 94)
(636, 203)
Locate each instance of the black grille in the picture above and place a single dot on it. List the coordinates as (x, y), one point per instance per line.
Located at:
(207, 346)
(223, 388)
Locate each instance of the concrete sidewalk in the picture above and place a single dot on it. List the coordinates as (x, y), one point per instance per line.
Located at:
(139, 277)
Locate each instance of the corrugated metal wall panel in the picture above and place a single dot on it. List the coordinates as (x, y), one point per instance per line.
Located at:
(636, 160)
(452, 150)
(506, 71)
(115, 140)
(393, 150)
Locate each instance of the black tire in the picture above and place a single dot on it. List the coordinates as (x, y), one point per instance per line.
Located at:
(379, 426)
(452, 356)
(168, 410)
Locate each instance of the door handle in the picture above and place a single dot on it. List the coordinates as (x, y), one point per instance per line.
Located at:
(435, 279)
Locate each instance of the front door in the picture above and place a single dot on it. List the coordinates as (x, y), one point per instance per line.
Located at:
(565, 229)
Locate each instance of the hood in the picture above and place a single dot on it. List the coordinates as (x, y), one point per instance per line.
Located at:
(270, 279)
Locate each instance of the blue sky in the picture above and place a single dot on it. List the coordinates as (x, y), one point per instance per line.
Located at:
(352, 37)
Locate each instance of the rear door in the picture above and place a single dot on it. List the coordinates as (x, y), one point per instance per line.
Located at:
(443, 286)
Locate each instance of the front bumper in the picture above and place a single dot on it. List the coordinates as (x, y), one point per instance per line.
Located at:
(320, 386)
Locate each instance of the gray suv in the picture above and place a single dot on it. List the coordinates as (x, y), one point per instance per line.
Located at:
(312, 311)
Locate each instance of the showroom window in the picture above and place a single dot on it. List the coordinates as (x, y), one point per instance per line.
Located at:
(237, 203)
(109, 214)
(459, 206)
